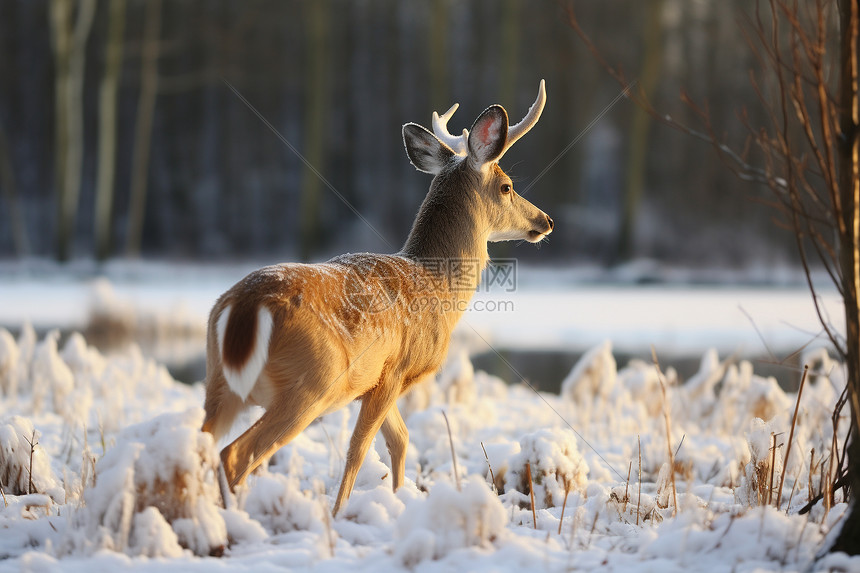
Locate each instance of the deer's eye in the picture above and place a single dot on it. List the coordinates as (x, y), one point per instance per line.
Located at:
(506, 188)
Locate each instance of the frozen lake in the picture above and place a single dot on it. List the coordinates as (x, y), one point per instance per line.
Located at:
(540, 328)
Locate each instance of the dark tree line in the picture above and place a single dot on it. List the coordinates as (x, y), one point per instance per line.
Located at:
(118, 135)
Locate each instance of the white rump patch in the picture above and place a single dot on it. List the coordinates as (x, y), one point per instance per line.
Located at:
(242, 380)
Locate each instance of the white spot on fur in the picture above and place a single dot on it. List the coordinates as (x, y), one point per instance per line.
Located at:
(243, 379)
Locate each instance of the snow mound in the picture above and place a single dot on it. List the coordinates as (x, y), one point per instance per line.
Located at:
(79, 385)
(762, 472)
(25, 469)
(165, 465)
(594, 375)
(557, 467)
(278, 503)
(8, 364)
(449, 520)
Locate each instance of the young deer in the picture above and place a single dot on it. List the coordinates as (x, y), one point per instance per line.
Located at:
(303, 340)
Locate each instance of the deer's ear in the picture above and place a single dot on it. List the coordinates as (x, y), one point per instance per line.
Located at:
(488, 135)
(424, 149)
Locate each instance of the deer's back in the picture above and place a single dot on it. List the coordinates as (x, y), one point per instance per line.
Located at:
(361, 314)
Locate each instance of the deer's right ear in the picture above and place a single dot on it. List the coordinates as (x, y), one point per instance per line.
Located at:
(424, 149)
(488, 136)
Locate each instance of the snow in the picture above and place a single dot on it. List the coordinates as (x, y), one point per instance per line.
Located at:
(122, 477)
(131, 481)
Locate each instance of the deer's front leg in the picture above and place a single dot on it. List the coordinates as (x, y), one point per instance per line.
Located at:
(375, 405)
(397, 439)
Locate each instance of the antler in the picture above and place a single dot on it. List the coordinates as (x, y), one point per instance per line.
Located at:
(459, 143)
(517, 131)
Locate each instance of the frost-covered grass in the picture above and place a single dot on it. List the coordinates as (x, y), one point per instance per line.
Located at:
(121, 476)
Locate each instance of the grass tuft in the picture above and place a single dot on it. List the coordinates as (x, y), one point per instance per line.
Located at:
(531, 492)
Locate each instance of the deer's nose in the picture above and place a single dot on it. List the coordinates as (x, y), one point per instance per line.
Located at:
(549, 220)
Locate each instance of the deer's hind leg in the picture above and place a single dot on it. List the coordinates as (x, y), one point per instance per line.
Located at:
(222, 405)
(290, 408)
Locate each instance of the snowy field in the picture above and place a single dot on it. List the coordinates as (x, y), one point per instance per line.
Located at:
(121, 477)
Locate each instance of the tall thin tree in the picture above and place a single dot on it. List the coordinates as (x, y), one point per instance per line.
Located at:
(316, 104)
(9, 192)
(70, 29)
(108, 129)
(143, 126)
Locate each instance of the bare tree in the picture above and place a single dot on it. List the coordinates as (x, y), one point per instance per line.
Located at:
(107, 128)
(143, 126)
(9, 191)
(70, 29)
(316, 92)
(808, 157)
(636, 161)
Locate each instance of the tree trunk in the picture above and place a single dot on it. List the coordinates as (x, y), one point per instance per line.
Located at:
(636, 162)
(849, 253)
(509, 52)
(143, 126)
(10, 193)
(437, 55)
(108, 129)
(69, 41)
(316, 104)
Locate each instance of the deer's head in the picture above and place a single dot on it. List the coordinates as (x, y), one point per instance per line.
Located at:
(468, 164)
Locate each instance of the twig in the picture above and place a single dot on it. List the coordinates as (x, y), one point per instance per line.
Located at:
(627, 487)
(453, 455)
(668, 433)
(572, 532)
(811, 493)
(681, 443)
(772, 468)
(791, 495)
(563, 505)
(334, 447)
(593, 527)
(492, 475)
(790, 438)
(33, 443)
(837, 486)
(829, 497)
(326, 517)
(531, 491)
(639, 497)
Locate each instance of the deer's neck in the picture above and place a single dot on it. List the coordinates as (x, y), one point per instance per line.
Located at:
(449, 237)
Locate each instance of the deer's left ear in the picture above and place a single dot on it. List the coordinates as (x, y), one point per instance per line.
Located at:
(424, 149)
(488, 136)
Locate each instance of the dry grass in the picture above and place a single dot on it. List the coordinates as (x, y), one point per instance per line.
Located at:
(667, 421)
(453, 453)
(791, 438)
(490, 467)
(639, 496)
(531, 491)
(563, 506)
(772, 469)
(627, 487)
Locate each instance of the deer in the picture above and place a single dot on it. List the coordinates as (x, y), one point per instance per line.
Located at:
(304, 340)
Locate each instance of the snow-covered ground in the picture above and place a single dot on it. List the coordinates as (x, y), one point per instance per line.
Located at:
(121, 476)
